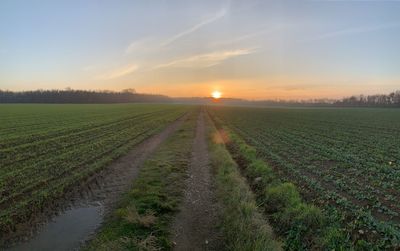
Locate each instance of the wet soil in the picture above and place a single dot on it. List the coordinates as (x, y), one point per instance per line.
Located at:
(81, 212)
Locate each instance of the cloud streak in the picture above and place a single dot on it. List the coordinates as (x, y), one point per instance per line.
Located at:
(141, 45)
(353, 31)
(205, 60)
(263, 31)
(120, 72)
(194, 28)
(153, 45)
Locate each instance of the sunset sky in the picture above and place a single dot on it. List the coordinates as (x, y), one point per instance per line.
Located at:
(267, 49)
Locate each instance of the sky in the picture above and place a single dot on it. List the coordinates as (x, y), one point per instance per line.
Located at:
(260, 49)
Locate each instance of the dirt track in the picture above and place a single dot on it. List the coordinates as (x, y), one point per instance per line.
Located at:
(101, 191)
(195, 225)
(117, 178)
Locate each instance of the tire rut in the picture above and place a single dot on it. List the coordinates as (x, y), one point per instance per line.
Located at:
(102, 190)
(194, 227)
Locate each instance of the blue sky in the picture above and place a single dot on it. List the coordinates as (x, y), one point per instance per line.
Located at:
(252, 49)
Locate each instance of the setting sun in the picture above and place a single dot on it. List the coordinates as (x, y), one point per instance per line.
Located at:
(216, 94)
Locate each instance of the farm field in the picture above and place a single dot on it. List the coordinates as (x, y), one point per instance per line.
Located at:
(227, 178)
(47, 149)
(346, 161)
(220, 125)
(177, 181)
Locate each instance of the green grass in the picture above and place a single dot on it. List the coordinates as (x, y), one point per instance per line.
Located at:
(300, 225)
(47, 149)
(243, 226)
(345, 161)
(143, 217)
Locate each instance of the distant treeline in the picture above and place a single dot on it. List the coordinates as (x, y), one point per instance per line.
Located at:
(383, 100)
(378, 100)
(80, 97)
(130, 96)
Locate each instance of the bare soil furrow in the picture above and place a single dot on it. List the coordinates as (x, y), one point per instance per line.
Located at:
(195, 225)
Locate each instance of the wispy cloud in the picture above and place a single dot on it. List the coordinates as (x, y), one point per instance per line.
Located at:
(263, 31)
(151, 44)
(353, 31)
(194, 28)
(141, 45)
(120, 72)
(206, 60)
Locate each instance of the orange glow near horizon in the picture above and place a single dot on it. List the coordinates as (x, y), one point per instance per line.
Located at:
(274, 88)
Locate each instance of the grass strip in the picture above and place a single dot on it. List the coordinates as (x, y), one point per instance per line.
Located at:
(142, 218)
(243, 226)
(302, 226)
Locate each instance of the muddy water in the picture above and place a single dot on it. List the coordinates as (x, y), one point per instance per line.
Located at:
(88, 204)
(66, 231)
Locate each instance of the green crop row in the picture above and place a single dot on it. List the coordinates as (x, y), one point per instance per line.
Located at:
(38, 166)
(302, 226)
(243, 226)
(343, 165)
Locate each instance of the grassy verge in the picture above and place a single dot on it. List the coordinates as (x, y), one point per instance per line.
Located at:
(302, 226)
(142, 219)
(243, 227)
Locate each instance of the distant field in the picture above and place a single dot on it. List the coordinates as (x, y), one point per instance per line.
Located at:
(46, 149)
(344, 159)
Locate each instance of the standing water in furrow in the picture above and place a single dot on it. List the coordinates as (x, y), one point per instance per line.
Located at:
(74, 225)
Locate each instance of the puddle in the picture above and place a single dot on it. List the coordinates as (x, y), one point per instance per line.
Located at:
(71, 228)
(66, 232)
